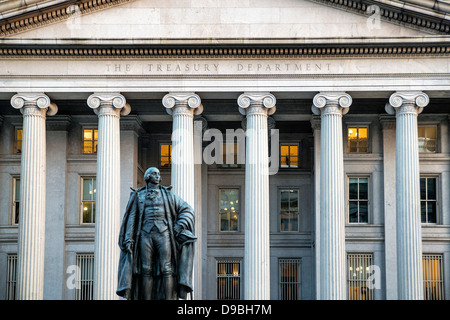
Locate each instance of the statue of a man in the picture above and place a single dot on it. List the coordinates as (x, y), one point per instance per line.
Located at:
(157, 243)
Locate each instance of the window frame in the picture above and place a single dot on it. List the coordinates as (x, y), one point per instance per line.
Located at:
(239, 277)
(358, 255)
(280, 189)
(440, 282)
(80, 258)
(438, 218)
(94, 146)
(160, 144)
(298, 262)
(428, 125)
(82, 178)
(11, 276)
(219, 213)
(15, 144)
(358, 126)
(14, 201)
(369, 189)
(289, 144)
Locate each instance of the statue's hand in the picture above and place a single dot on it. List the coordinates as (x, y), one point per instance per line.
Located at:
(129, 246)
(177, 229)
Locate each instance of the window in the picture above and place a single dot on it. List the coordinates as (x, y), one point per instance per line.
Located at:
(433, 277)
(90, 140)
(289, 279)
(358, 200)
(228, 279)
(427, 138)
(358, 272)
(229, 209)
(88, 192)
(85, 276)
(18, 140)
(428, 199)
(357, 140)
(165, 160)
(289, 210)
(289, 155)
(16, 201)
(11, 279)
(230, 149)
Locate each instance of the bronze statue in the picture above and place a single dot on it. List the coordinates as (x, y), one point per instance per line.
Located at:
(157, 244)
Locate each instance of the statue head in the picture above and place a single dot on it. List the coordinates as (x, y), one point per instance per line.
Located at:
(152, 175)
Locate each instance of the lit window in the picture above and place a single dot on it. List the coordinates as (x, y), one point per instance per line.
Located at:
(289, 279)
(433, 277)
(90, 140)
(165, 155)
(289, 210)
(427, 138)
(230, 150)
(428, 199)
(16, 200)
(358, 272)
(85, 278)
(358, 200)
(228, 279)
(11, 277)
(229, 210)
(357, 140)
(289, 155)
(89, 191)
(18, 140)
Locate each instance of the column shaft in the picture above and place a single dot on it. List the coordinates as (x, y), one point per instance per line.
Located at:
(332, 210)
(257, 210)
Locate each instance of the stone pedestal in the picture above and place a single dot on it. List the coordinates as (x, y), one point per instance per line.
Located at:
(331, 106)
(31, 241)
(406, 106)
(108, 107)
(256, 107)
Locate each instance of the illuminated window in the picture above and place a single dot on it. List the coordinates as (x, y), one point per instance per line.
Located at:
(428, 199)
(358, 200)
(16, 200)
(357, 140)
(289, 279)
(433, 277)
(18, 140)
(358, 272)
(427, 138)
(165, 155)
(230, 150)
(85, 278)
(229, 209)
(289, 155)
(289, 210)
(90, 140)
(88, 192)
(228, 279)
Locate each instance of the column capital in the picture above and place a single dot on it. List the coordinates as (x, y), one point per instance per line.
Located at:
(33, 103)
(108, 103)
(257, 102)
(331, 103)
(182, 103)
(407, 102)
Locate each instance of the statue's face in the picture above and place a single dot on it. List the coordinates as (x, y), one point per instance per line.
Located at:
(153, 176)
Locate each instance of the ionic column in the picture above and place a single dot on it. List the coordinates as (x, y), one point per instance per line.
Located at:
(31, 241)
(182, 107)
(331, 106)
(406, 106)
(257, 107)
(108, 107)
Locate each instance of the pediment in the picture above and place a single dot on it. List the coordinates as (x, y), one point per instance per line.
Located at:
(207, 20)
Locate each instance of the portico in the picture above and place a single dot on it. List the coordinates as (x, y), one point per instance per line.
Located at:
(149, 92)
